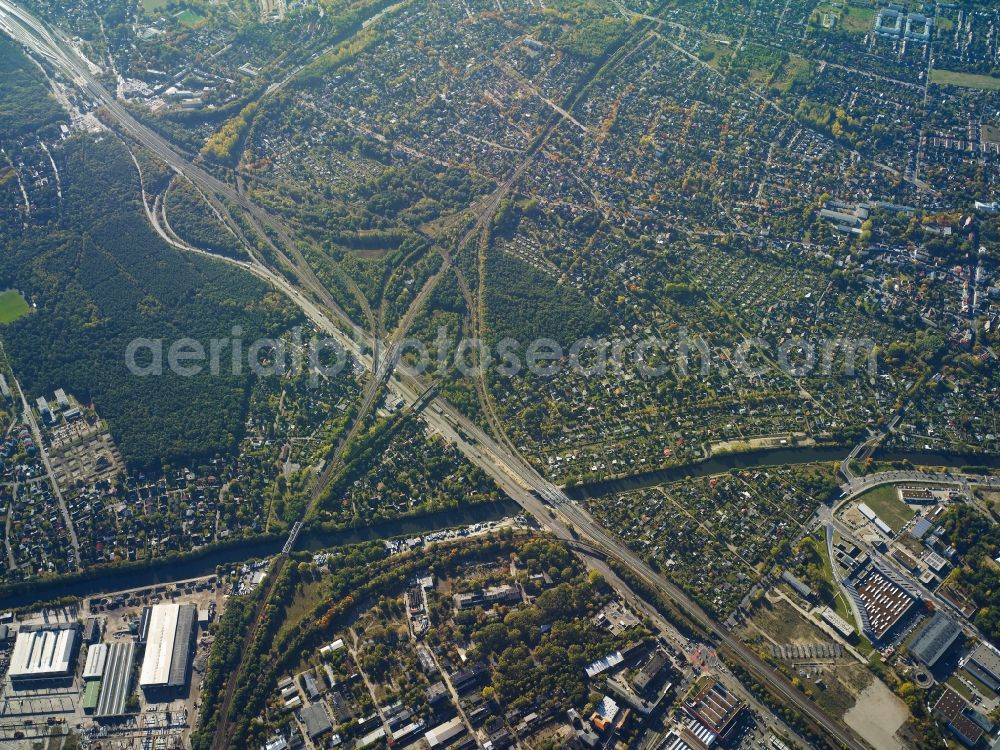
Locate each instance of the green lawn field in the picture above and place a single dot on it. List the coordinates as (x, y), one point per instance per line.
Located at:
(965, 80)
(189, 18)
(12, 306)
(858, 20)
(887, 505)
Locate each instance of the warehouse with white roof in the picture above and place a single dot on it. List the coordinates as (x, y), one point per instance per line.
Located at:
(97, 656)
(166, 664)
(43, 654)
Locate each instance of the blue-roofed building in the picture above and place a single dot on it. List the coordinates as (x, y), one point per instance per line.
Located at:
(934, 639)
(920, 528)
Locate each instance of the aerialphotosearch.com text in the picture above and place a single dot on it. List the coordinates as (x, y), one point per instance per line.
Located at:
(652, 357)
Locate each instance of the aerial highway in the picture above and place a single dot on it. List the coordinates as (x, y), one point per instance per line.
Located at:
(539, 497)
(857, 485)
(53, 46)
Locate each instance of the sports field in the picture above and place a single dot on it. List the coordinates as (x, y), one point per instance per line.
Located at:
(189, 18)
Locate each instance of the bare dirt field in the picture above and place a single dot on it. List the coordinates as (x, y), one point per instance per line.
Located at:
(877, 715)
(836, 684)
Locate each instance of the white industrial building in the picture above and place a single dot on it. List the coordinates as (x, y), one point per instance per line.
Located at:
(872, 516)
(43, 653)
(443, 734)
(97, 657)
(159, 645)
(838, 623)
(169, 643)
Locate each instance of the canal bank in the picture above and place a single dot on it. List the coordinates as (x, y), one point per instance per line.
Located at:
(768, 457)
(206, 562)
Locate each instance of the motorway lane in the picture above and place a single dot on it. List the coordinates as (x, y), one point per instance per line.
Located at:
(568, 513)
(57, 50)
(762, 671)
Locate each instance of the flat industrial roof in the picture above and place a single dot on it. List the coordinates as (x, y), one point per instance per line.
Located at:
(42, 653)
(935, 638)
(987, 658)
(117, 680)
(97, 656)
(839, 623)
(159, 645)
(91, 695)
(885, 601)
(442, 734)
(716, 708)
(187, 622)
(316, 721)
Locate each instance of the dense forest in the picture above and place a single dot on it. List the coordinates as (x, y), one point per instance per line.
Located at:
(525, 304)
(977, 540)
(25, 103)
(101, 277)
(588, 28)
(192, 218)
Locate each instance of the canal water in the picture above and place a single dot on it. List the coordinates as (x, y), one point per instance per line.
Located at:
(775, 457)
(196, 565)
